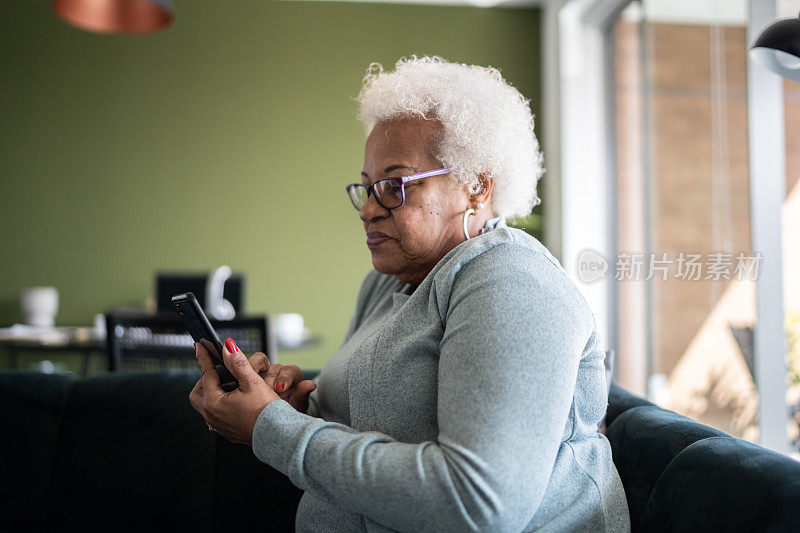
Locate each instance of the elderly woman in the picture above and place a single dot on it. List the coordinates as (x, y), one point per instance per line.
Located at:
(469, 388)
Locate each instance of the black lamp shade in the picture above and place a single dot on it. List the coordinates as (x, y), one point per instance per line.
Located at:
(778, 48)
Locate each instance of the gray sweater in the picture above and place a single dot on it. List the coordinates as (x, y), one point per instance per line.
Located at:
(468, 403)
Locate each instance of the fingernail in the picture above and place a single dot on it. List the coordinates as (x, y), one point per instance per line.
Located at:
(231, 346)
(194, 347)
(280, 386)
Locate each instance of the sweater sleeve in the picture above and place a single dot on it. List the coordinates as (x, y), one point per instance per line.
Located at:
(512, 342)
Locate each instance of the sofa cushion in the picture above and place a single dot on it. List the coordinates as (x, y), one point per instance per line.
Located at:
(134, 455)
(644, 440)
(619, 401)
(243, 482)
(31, 408)
(725, 484)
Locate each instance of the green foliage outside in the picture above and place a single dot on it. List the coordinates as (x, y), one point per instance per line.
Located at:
(532, 223)
(793, 346)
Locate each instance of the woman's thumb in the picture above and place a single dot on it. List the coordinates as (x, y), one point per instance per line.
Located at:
(305, 387)
(300, 396)
(238, 365)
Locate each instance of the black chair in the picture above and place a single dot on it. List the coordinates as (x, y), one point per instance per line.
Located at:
(152, 342)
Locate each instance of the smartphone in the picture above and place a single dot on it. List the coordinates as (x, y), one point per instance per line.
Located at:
(202, 331)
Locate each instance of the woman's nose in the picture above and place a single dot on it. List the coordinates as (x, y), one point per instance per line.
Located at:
(372, 210)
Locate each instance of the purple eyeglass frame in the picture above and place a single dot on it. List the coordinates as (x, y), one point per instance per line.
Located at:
(401, 180)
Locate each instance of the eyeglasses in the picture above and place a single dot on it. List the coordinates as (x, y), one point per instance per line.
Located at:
(390, 192)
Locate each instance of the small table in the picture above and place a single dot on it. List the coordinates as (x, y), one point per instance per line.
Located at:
(86, 342)
(70, 339)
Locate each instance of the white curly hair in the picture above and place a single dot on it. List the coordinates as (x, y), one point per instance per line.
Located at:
(487, 123)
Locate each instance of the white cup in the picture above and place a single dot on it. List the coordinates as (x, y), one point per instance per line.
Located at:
(100, 326)
(289, 328)
(40, 306)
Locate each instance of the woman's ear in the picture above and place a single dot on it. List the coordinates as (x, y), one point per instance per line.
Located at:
(484, 193)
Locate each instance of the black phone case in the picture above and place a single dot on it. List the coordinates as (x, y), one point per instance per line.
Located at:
(201, 330)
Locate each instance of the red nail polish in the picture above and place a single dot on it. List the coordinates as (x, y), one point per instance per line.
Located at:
(231, 346)
(280, 386)
(194, 347)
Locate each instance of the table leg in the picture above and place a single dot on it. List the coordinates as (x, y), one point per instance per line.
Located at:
(85, 363)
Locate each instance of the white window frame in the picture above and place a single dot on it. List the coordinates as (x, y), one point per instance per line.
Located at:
(579, 143)
(767, 154)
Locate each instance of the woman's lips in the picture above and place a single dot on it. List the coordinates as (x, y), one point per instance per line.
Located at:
(375, 238)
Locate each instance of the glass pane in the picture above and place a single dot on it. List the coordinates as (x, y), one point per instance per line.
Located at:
(632, 348)
(684, 267)
(791, 256)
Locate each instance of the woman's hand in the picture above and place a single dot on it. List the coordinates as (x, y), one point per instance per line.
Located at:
(287, 380)
(232, 414)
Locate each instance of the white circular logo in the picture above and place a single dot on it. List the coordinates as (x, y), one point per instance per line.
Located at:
(592, 266)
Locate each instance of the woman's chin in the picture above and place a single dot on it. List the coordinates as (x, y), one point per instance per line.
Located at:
(383, 264)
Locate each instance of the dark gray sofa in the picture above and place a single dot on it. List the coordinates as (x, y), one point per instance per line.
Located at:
(125, 452)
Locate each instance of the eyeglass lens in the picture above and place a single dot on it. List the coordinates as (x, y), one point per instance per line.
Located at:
(389, 194)
(358, 195)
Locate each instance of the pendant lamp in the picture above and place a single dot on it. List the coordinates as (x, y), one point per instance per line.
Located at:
(778, 48)
(116, 16)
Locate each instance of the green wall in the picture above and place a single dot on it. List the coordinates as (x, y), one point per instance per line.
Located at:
(225, 139)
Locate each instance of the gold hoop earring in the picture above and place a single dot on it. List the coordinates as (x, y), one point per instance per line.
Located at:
(465, 223)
